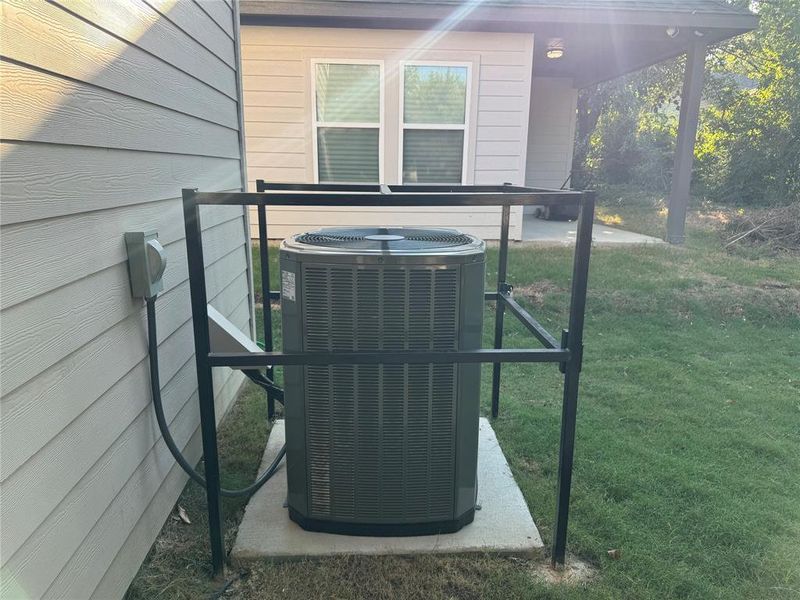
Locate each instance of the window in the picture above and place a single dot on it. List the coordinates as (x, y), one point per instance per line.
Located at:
(347, 105)
(433, 131)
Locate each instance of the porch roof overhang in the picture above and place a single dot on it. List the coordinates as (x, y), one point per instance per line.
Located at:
(602, 39)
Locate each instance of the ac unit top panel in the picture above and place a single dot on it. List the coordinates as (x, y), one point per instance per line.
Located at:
(393, 241)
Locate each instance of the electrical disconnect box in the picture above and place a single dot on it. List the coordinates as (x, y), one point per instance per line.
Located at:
(146, 263)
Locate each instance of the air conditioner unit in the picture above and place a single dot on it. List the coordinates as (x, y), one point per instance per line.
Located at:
(382, 449)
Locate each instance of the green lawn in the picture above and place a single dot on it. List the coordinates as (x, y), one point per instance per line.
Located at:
(687, 452)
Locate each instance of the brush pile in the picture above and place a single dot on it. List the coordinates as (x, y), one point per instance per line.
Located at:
(776, 230)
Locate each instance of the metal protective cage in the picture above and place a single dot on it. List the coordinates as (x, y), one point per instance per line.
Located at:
(567, 352)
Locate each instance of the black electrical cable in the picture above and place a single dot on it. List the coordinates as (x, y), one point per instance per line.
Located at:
(265, 383)
(155, 387)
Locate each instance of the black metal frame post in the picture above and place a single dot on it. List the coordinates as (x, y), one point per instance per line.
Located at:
(502, 267)
(205, 386)
(572, 369)
(266, 301)
(567, 353)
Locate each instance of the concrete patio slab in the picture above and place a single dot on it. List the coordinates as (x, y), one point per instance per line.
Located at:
(564, 232)
(503, 525)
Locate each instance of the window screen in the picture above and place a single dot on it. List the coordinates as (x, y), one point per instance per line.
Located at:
(431, 156)
(434, 123)
(347, 154)
(347, 122)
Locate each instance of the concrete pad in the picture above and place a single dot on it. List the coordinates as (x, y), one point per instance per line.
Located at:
(564, 233)
(503, 525)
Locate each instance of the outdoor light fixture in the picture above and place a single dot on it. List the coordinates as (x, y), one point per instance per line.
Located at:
(555, 48)
(673, 31)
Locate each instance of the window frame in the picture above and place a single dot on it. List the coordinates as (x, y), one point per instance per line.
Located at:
(433, 126)
(316, 124)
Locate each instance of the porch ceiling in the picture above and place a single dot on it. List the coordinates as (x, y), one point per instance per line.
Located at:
(602, 38)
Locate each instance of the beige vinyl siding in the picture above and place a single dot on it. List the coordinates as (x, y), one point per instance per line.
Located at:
(276, 68)
(552, 132)
(109, 109)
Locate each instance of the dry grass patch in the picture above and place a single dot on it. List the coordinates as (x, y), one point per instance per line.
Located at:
(535, 292)
(575, 573)
(528, 465)
(777, 299)
(377, 578)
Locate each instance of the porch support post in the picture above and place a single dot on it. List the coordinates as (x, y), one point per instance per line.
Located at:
(684, 146)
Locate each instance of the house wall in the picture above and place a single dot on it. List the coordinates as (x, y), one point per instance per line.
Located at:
(278, 121)
(552, 132)
(108, 110)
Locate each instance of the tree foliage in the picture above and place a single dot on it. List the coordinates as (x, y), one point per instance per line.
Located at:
(748, 149)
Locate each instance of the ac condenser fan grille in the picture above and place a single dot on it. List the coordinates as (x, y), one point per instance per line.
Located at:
(381, 238)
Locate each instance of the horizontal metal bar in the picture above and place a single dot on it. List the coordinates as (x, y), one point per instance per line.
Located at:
(532, 325)
(488, 296)
(262, 186)
(256, 360)
(416, 198)
(438, 188)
